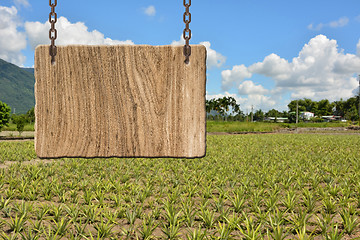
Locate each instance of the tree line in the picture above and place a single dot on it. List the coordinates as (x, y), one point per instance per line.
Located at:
(219, 109)
(19, 119)
(227, 109)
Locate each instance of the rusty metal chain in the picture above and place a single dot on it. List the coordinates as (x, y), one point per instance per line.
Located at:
(187, 31)
(52, 31)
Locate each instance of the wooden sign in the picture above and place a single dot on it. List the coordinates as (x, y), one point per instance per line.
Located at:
(120, 101)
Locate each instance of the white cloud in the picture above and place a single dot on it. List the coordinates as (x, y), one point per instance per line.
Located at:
(68, 33)
(321, 70)
(180, 42)
(11, 40)
(317, 27)
(150, 11)
(214, 59)
(273, 66)
(24, 3)
(239, 100)
(341, 22)
(257, 101)
(250, 88)
(227, 94)
(234, 76)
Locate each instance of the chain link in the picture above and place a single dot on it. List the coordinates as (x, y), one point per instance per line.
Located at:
(52, 31)
(187, 31)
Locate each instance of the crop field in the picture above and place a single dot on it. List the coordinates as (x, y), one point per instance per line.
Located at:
(236, 126)
(274, 186)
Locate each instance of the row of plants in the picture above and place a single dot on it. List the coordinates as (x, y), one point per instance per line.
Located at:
(247, 187)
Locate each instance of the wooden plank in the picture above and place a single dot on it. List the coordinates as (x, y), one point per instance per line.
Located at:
(120, 101)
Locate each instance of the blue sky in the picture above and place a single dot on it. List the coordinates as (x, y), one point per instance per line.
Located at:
(264, 53)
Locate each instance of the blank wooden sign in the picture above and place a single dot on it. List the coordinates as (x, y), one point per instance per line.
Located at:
(120, 101)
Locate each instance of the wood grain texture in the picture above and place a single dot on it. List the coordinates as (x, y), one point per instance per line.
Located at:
(120, 101)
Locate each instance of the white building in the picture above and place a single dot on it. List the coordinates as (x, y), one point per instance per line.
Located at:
(306, 115)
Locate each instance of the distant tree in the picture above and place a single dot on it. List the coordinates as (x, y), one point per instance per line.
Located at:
(285, 114)
(351, 109)
(310, 106)
(293, 103)
(345, 108)
(340, 108)
(210, 105)
(20, 121)
(273, 113)
(222, 106)
(325, 108)
(352, 113)
(259, 116)
(30, 116)
(320, 108)
(292, 117)
(5, 111)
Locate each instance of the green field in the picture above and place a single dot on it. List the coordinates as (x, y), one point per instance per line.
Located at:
(234, 126)
(12, 127)
(247, 187)
(231, 126)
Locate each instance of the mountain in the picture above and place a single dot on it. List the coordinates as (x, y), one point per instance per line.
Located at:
(17, 87)
(30, 70)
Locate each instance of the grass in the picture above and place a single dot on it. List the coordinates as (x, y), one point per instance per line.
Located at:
(281, 186)
(218, 126)
(12, 127)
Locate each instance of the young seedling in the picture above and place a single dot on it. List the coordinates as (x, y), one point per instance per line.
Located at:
(30, 235)
(290, 200)
(324, 221)
(251, 230)
(131, 216)
(309, 200)
(61, 227)
(4, 202)
(224, 231)
(279, 232)
(233, 220)
(172, 216)
(12, 236)
(237, 202)
(329, 204)
(208, 218)
(104, 229)
(189, 213)
(148, 227)
(79, 228)
(334, 234)
(350, 222)
(299, 219)
(302, 235)
(171, 231)
(17, 224)
(196, 234)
